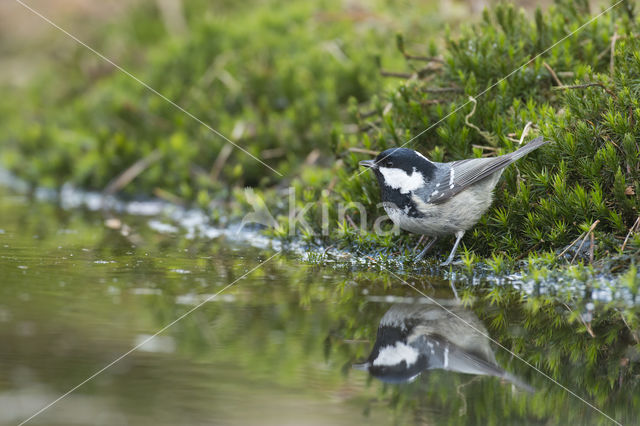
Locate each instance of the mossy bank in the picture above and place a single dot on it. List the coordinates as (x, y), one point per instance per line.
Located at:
(311, 93)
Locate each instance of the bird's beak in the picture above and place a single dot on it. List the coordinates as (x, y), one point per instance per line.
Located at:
(371, 164)
(362, 367)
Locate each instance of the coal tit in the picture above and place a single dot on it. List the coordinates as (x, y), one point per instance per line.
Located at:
(416, 337)
(439, 199)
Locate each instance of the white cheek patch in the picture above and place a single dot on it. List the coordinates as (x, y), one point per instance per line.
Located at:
(394, 355)
(399, 179)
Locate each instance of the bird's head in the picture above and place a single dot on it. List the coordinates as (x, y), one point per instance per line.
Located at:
(400, 171)
(393, 359)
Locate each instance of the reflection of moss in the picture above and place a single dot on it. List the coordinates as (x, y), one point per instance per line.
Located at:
(548, 330)
(292, 327)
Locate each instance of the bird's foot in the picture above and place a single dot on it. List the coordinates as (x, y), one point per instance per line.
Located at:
(446, 262)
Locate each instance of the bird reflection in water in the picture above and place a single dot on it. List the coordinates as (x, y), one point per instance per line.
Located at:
(416, 337)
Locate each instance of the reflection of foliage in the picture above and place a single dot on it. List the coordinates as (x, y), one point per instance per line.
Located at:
(292, 326)
(547, 329)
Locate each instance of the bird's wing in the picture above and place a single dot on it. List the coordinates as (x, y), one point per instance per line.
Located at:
(443, 354)
(459, 175)
(471, 363)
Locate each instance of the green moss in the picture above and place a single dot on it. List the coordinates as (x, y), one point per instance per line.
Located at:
(273, 76)
(591, 171)
(304, 80)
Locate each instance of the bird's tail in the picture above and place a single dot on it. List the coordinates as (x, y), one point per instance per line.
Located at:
(533, 145)
(519, 383)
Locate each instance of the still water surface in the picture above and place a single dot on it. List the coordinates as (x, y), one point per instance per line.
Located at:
(276, 348)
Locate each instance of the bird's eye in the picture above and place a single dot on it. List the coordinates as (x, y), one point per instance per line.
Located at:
(388, 164)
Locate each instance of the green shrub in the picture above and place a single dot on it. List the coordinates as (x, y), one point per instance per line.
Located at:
(590, 172)
(273, 76)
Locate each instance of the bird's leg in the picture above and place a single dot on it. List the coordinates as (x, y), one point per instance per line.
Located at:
(419, 242)
(426, 249)
(459, 236)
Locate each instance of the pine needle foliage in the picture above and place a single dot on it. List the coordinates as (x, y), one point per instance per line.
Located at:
(579, 94)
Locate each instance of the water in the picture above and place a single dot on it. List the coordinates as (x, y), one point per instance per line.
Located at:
(278, 346)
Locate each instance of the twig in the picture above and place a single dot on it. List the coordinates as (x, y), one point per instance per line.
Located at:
(608, 139)
(327, 249)
(587, 326)
(442, 89)
(131, 173)
(172, 13)
(351, 222)
(395, 74)
(370, 125)
(367, 114)
(312, 158)
(334, 179)
(553, 74)
(431, 101)
(363, 151)
(486, 148)
(603, 53)
(633, 333)
(578, 239)
(463, 410)
(421, 73)
(525, 131)
(488, 137)
(419, 242)
(593, 226)
(634, 228)
(400, 46)
(608, 48)
(423, 58)
(272, 153)
(612, 61)
(532, 249)
(168, 196)
(566, 249)
(584, 86)
(221, 160)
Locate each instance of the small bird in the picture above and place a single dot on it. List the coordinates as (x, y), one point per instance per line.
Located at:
(416, 337)
(439, 199)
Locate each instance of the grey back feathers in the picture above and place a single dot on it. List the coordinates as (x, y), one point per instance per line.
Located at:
(457, 176)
